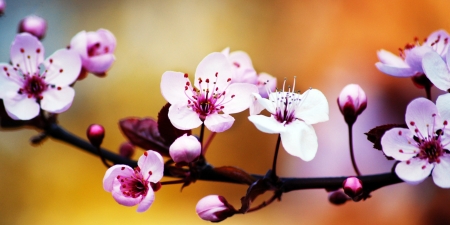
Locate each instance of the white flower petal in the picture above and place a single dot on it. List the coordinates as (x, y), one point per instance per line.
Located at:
(300, 140)
(27, 53)
(441, 46)
(267, 124)
(79, 44)
(436, 70)
(441, 172)
(391, 59)
(183, 117)
(219, 122)
(414, 57)
(242, 97)
(212, 64)
(63, 67)
(399, 144)
(443, 106)
(395, 71)
(153, 163)
(173, 87)
(313, 108)
(57, 101)
(21, 107)
(421, 114)
(414, 170)
(267, 103)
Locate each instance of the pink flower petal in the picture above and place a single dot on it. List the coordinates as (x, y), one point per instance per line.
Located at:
(421, 114)
(152, 162)
(441, 172)
(103, 36)
(99, 64)
(183, 117)
(414, 170)
(300, 140)
(121, 198)
(443, 106)
(63, 67)
(21, 108)
(395, 71)
(147, 201)
(399, 144)
(219, 122)
(112, 173)
(440, 47)
(239, 97)
(266, 83)
(27, 53)
(57, 101)
(267, 124)
(79, 44)
(9, 85)
(436, 70)
(415, 55)
(313, 108)
(173, 87)
(390, 59)
(213, 63)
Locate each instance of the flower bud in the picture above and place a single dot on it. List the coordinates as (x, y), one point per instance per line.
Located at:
(185, 149)
(95, 134)
(337, 197)
(33, 25)
(2, 7)
(353, 187)
(214, 208)
(126, 150)
(352, 101)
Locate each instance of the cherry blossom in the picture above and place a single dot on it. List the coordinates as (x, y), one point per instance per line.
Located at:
(437, 69)
(422, 149)
(409, 63)
(130, 187)
(214, 208)
(31, 83)
(352, 101)
(292, 116)
(185, 149)
(212, 98)
(96, 49)
(34, 25)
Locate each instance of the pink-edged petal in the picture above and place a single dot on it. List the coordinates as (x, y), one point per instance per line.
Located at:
(441, 46)
(399, 144)
(443, 107)
(395, 71)
(152, 162)
(391, 59)
(100, 63)
(57, 101)
(27, 53)
(300, 140)
(219, 122)
(436, 70)
(63, 67)
(183, 117)
(413, 171)
(21, 107)
(313, 108)
(112, 173)
(173, 87)
(239, 97)
(268, 104)
(121, 198)
(415, 55)
(267, 124)
(266, 84)
(79, 44)
(213, 63)
(108, 39)
(147, 201)
(421, 114)
(441, 172)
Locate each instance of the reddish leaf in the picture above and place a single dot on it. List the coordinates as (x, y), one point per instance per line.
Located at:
(168, 132)
(256, 189)
(375, 134)
(144, 133)
(235, 174)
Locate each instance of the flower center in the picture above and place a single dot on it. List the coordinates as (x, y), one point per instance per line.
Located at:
(33, 87)
(285, 103)
(136, 185)
(431, 150)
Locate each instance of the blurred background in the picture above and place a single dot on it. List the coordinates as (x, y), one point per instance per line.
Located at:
(326, 44)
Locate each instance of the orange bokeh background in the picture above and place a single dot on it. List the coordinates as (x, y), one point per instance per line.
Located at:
(326, 44)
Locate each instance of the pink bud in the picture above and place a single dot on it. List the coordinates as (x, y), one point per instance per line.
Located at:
(33, 25)
(185, 149)
(214, 208)
(95, 134)
(337, 197)
(352, 101)
(2, 7)
(126, 150)
(353, 187)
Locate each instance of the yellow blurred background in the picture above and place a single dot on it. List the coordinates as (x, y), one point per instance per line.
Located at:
(326, 44)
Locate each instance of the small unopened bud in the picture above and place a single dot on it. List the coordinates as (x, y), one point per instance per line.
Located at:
(2, 7)
(337, 197)
(95, 134)
(185, 149)
(353, 187)
(33, 25)
(352, 102)
(126, 150)
(214, 208)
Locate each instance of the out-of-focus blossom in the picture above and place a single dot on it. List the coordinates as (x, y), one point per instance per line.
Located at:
(212, 98)
(130, 187)
(33, 25)
(409, 63)
(352, 101)
(95, 134)
(422, 149)
(126, 150)
(31, 83)
(437, 69)
(96, 49)
(292, 116)
(2, 7)
(214, 208)
(185, 149)
(337, 197)
(352, 187)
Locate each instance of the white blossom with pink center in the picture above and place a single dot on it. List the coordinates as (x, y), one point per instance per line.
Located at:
(422, 149)
(409, 63)
(212, 98)
(130, 187)
(31, 83)
(292, 116)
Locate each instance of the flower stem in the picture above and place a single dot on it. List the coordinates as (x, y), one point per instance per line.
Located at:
(208, 142)
(275, 156)
(202, 133)
(350, 142)
(428, 91)
(172, 182)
